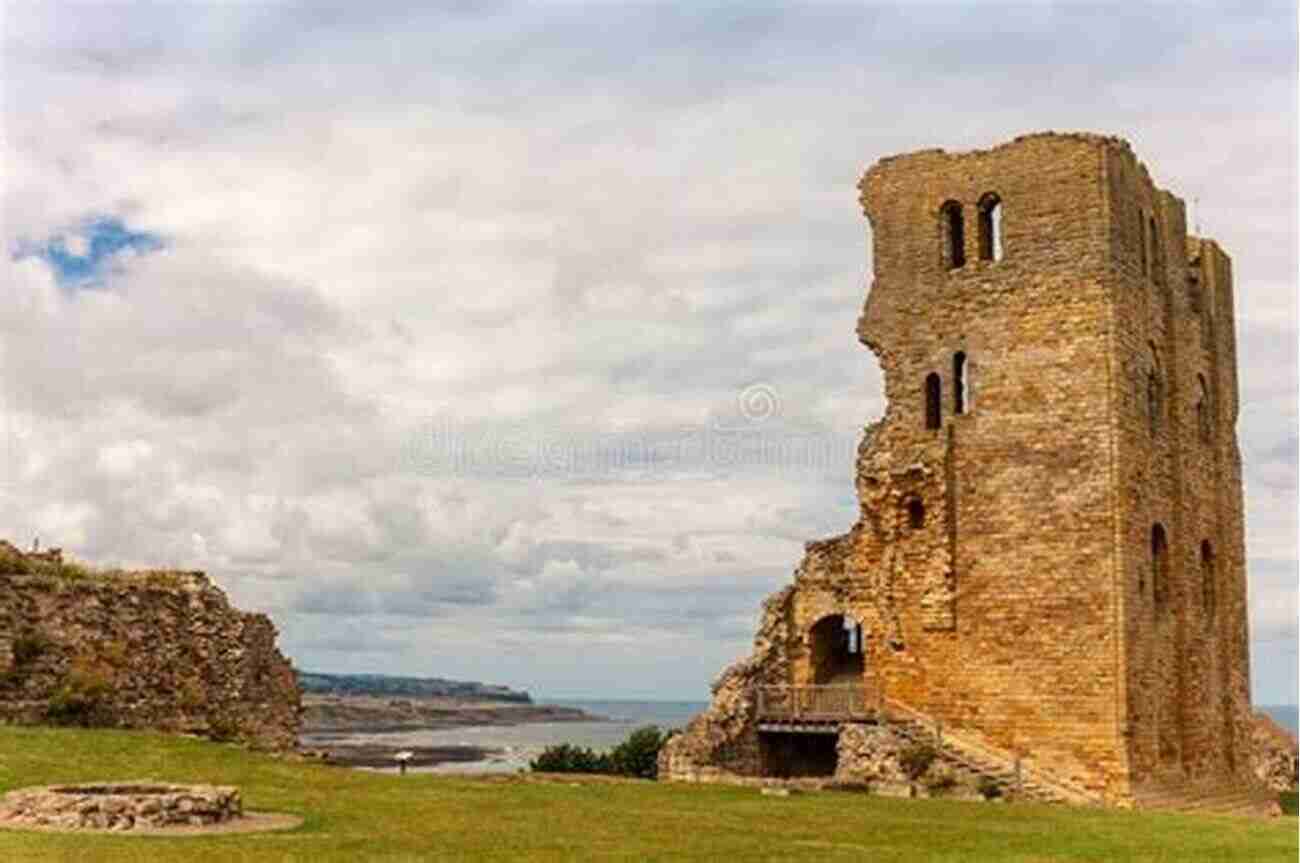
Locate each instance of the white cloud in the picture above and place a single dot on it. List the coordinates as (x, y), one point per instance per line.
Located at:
(563, 243)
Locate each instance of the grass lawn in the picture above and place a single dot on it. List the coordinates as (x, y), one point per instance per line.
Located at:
(351, 815)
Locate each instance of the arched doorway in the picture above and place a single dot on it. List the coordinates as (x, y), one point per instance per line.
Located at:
(837, 651)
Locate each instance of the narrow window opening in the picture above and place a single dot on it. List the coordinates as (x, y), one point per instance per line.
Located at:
(1159, 565)
(1204, 416)
(954, 235)
(990, 227)
(933, 404)
(1207, 579)
(959, 394)
(915, 514)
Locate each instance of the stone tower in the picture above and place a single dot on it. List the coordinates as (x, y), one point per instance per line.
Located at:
(1049, 557)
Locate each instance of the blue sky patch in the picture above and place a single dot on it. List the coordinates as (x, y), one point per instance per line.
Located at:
(82, 256)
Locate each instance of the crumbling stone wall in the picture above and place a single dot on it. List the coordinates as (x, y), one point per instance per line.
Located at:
(722, 742)
(160, 649)
(1274, 753)
(1001, 564)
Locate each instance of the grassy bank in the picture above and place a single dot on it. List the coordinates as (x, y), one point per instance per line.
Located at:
(352, 815)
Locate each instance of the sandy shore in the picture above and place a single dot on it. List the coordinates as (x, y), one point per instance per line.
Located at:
(375, 755)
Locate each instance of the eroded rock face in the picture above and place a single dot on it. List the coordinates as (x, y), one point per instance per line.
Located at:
(869, 754)
(1274, 754)
(159, 649)
(722, 742)
(121, 806)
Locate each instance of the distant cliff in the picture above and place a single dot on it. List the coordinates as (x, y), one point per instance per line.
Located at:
(318, 683)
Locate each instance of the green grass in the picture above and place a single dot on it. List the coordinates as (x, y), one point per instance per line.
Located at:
(352, 815)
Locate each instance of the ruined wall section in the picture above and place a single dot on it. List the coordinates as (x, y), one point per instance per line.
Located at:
(160, 650)
(1228, 627)
(1033, 661)
(722, 743)
(1185, 692)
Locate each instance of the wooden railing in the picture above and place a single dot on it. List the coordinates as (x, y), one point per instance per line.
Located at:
(816, 703)
(829, 704)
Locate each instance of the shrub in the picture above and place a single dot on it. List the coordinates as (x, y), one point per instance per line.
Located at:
(566, 758)
(28, 647)
(1289, 802)
(989, 788)
(15, 562)
(12, 561)
(190, 696)
(73, 570)
(941, 782)
(916, 758)
(639, 754)
(223, 729)
(84, 697)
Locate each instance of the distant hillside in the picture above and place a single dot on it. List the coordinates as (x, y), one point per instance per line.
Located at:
(384, 684)
(1285, 715)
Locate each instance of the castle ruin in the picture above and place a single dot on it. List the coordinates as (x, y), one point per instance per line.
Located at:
(1047, 573)
(159, 649)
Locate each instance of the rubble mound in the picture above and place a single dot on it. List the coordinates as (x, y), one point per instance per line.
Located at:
(1275, 753)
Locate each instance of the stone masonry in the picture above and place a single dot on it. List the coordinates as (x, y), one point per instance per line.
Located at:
(1049, 556)
(159, 649)
(121, 806)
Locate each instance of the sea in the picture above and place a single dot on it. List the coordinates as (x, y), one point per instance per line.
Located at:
(1286, 715)
(519, 744)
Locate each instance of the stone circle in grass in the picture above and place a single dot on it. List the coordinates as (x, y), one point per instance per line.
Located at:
(121, 806)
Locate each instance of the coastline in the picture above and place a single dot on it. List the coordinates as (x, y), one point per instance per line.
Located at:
(344, 729)
(375, 756)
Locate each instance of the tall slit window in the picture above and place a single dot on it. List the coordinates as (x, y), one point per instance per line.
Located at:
(990, 227)
(1159, 565)
(933, 404)
(960, 394)
(954, 235)
(915, 513)
(1207, 579)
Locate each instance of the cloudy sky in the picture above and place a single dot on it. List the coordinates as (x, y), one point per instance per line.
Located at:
(516, 342)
